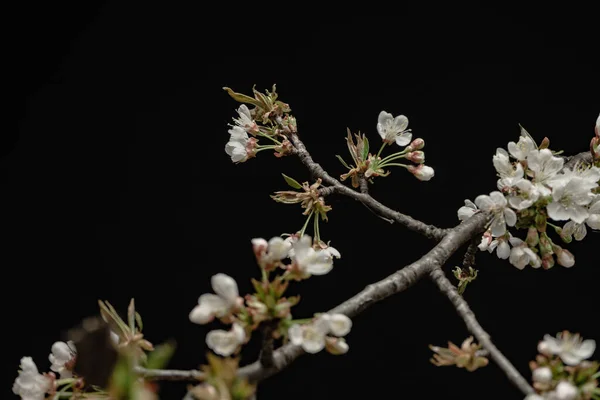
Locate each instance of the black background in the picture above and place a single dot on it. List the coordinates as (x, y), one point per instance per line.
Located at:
(116, 184)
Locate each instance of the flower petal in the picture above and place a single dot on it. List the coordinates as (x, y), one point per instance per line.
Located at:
(586, 349)
(339, 324)
(295, 334)
(226, 287)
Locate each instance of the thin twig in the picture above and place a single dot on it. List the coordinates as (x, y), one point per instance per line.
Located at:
(469, 258)
(364, 185)
(429, 231)
(266, 352)
(373, 293)
(446, 287)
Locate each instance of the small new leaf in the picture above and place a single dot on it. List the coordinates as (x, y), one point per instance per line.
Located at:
(342, 161)
(242, 98)
(292, 182)
(365, 153)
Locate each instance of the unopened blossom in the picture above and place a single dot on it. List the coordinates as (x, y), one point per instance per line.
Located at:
(509, 174)
(467, 211)
(563, 257)
(62, 354)
(542, 375)
(308, 260)
(393, 129)
(240, 146)
(521, 255)
(336, 345)
(245, 120)
(496, 203)
(269, 253)
(311, 336)
(225, 343)
(563, 391)
(545, 166)
(30, 384)
(569, 347)
(521, 149)
(422, 172)
(218, 305)
(526, 194)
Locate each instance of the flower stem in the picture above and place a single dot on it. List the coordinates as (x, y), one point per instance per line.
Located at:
(266, 147)
(381, 149)
(269, 137)
(395, 156)
(393, 165)
(306, 224)
(316, 229)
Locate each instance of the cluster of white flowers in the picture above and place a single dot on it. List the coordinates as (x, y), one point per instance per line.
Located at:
(572, 351)
(394, 130)
(31, 385)
(240, 146)
(316, 335)
(306, 260)
(533, 183)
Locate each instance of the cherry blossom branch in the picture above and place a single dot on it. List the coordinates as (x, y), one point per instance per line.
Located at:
(446, 287)
(266, 353)
(429, 231)
(373, 293)
(364, 185)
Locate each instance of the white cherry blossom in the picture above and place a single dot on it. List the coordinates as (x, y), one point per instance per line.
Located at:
(225, 343)
(569, 347)
(268, 253)
(570, 196)
(311, 336)
(393, 129)
(61, 354)
(527, 194)
(521, 149)
(217, 305)
(245, 120)
(544, 166)
(509, 174)
(339, 324)
(236, 148)
(467, 211)
(521, 255)
(502, 215)
(563, 391)
(30, 384)
(310, 261)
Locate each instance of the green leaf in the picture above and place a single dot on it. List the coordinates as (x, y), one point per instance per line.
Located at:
(365, 153)
(161, 355)
(292, 182)
(242, 98)
(342, 161)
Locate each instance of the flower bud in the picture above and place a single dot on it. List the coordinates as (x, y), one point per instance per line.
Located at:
(533, 238)
(417, 157)
(542, 375)
(545, 244)
(416, 144)
(545, 144)
(547, 261)
(564, 257)
(422, 172)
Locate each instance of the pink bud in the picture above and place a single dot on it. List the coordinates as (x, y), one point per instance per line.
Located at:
(416, 144)
(565, 258)
(416, 157)
(422, 172)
